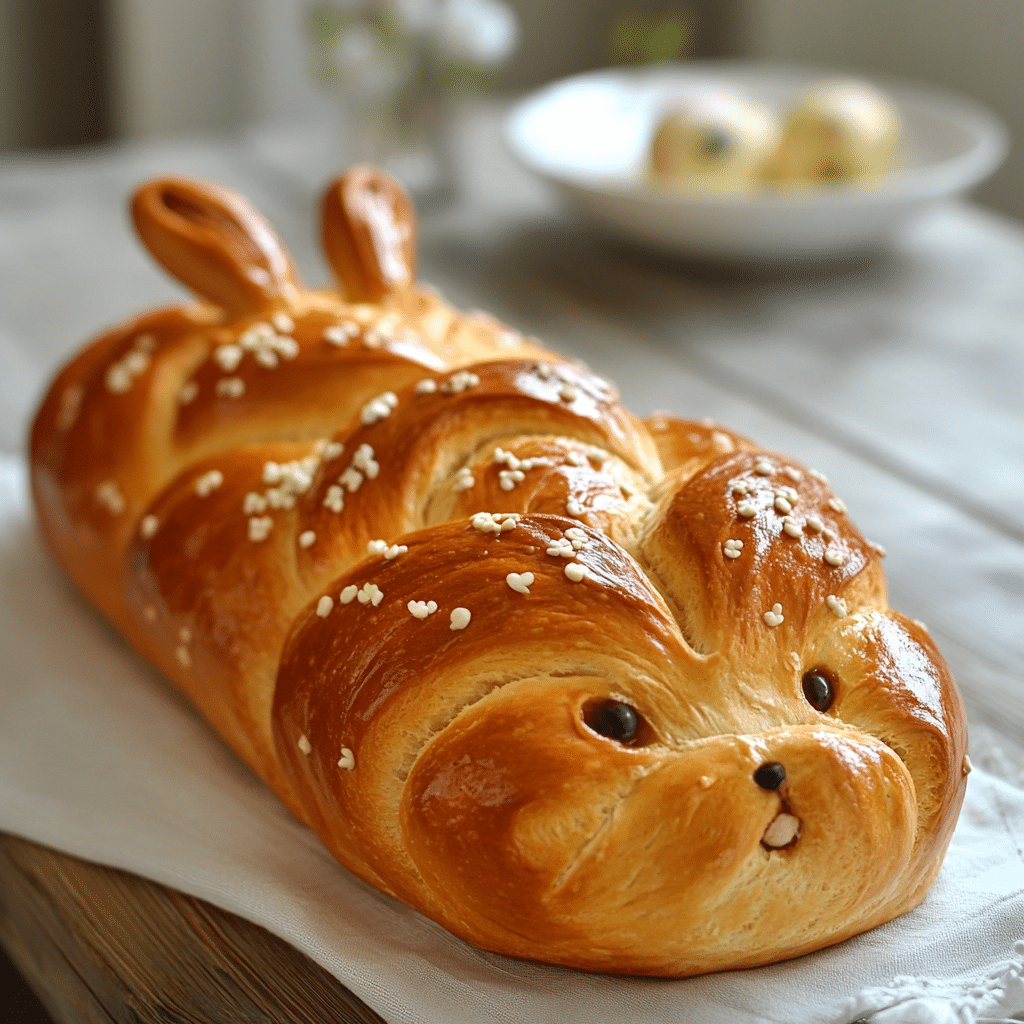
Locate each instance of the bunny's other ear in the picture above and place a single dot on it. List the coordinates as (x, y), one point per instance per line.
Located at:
(214, 242)
(369, 234)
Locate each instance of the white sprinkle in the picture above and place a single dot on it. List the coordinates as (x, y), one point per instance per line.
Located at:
(918, 622)
(395, 550)
(793, 473)
(877, 548)
(332, 450)
(421, 609)
(376, 547)
(188, 392)
(109, 495)
(307, 539)
(259, 528)
(364, 460)
(745, 509)
(577, 537)
(352, 479)
(339, 334)
(370, 594)
(793, 660)
(836, 505)
(782, 831)
(459, 382)
(485, 523)
(510, 460)
(834, 556)
(378, 408)
(348, 595)
(568, 392)
(118, 379)
(135, 362)
(732, 548)
(573, 507)
(543, 370)
(508, 524)
(149, 613)
(836, 605)
(304, 745)
(782, 505)
(230, 387)
(775, 616)
(288, 347)
(792, 526)
(820, 477)
(815, 524)
(508, 339)
(463, 480)
(575, 458)
(562, 549)
(576, 571)
(508, 478)
(324, 606)
(334, 499)
(266, 357)
(763, 467)
(743, 487)
(209, 482)
(228, 357)
(283, 322)
(148, 527)
(460, 618)
(253, 504)
(280, 497)
(272, 473)
(347, 761)
(789, 494)
(722, 443)
(183, 656)
(425, 386)
(520, 582)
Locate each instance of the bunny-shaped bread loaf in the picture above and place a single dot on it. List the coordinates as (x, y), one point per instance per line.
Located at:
(620, 695)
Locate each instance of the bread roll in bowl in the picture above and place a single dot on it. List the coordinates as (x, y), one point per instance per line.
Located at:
(616, 694)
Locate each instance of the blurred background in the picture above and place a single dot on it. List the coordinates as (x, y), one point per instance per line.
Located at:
(92, 72)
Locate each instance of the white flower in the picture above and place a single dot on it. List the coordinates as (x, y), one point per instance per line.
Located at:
(483, 32)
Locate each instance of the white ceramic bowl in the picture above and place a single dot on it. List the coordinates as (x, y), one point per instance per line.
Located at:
(589, 135)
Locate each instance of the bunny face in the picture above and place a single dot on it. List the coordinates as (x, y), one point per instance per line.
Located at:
(631, 762)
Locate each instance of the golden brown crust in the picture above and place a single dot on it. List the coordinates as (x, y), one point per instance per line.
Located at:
(408, 563)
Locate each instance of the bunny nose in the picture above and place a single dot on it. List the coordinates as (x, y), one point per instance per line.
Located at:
(770, 775)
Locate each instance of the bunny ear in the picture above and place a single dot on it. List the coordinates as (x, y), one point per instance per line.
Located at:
(214, 242)
(369, 234)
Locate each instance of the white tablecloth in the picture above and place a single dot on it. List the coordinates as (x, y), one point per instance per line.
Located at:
(99, 758)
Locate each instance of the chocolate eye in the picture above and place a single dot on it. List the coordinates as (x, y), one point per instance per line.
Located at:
(818, 690)
(613, 719)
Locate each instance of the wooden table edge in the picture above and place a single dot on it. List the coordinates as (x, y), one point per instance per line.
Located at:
(98, 945)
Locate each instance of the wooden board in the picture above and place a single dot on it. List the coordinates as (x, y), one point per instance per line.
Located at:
(99, 945)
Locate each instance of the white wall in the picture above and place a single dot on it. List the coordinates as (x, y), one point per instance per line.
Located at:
(973, 46)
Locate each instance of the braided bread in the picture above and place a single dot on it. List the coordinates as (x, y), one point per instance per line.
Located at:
(620, 695)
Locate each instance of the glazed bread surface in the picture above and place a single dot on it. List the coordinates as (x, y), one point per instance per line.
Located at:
(616, 694)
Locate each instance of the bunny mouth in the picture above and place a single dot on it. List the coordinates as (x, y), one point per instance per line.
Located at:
(782, 832)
